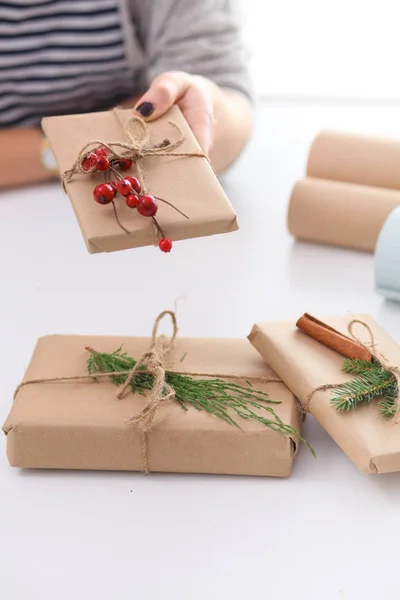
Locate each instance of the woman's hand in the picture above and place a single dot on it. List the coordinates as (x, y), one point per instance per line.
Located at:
(219, 118)
(196, 97)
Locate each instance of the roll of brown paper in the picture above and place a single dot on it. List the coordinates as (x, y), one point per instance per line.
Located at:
(340, 214)
(355, 158)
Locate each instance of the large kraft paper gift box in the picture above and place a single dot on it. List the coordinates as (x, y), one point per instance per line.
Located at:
(82, 425)
(188, 182)
(369, 439)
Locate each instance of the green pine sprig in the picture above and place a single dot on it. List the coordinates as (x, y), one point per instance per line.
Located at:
(223, 399)
(372, 381)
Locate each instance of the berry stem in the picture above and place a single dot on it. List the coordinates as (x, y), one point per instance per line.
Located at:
(116, 173)
(172, 206)
(158, 227)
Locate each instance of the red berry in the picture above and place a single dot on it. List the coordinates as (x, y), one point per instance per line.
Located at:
(103, 163)
(124, 187)
(165, 245)
(103, 193)
(147, 206)
(101, 151)
(132, 200)
(125, 163)
(89, 162)
(135, 183)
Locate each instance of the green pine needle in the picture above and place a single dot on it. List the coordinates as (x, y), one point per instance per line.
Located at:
(372, 381)
(358, 366)
(223, 399)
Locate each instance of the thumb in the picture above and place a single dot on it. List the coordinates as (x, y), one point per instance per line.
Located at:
(164, 91)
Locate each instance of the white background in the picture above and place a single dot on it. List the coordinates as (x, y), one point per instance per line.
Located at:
(324, 49)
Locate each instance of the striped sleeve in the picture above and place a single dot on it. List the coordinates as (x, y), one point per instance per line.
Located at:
(201, 37)
(58, 56)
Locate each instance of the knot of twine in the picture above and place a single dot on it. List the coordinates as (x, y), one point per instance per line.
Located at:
(154, 361)
(370, 345)
(137, 147)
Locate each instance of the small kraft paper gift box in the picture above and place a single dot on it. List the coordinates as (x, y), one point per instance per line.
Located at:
(345, 372)
(112, 162)
(191, 406)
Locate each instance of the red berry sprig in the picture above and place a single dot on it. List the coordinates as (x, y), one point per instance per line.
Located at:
(165, 245)
(104, 193)
(102, 159)
(103, 163)
(102, 151)
(132, 200)
(147, 206)
(125, 164)
(135, 183)
(124, 187)
(90, 162)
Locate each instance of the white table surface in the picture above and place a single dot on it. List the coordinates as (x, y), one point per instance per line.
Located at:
(326, 533)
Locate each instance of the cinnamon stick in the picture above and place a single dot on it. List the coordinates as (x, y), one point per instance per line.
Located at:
(333, 339)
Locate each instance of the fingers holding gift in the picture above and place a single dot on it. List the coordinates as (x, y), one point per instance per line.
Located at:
(193, 95)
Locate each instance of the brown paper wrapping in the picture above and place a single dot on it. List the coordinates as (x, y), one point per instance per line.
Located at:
(369, 440)
(188, 183)
(341, 214)
(81, 425)
(355, 158)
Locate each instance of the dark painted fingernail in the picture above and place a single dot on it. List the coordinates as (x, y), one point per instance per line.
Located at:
(145, 109)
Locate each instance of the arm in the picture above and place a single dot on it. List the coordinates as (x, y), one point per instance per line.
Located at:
(195, 59)
(20, 158)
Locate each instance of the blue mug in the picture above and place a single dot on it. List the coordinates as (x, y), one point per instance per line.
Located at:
(387, 258)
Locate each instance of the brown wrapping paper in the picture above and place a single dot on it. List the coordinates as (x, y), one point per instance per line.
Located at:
(369, 440)
(341, 214)
(187, 182)
(355, 158)
(81, 425)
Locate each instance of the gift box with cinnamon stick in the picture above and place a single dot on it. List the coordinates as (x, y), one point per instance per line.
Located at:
(144, 404)
(135, 184)
(344, 370)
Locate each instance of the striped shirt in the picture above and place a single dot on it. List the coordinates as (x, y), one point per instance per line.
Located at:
(60, 55)
(66, 56)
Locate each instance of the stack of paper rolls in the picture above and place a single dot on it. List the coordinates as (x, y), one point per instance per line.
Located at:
(351, 187)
